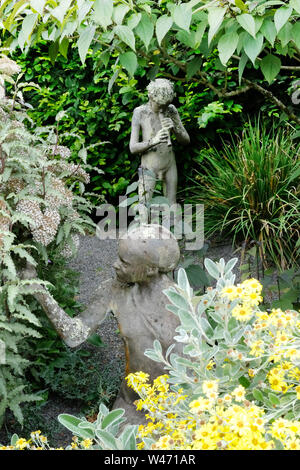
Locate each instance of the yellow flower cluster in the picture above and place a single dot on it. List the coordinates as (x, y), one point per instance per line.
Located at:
(153, 398)
(249, 295)
(288, 432)
(39, 442)
(276, 335)
(285, 377)
(215, 422)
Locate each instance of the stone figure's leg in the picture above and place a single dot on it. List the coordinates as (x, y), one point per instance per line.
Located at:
(146, 188)
(170, 184)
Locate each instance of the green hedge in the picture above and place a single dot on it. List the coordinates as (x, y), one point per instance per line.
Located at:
(97, 115)
(82, 91)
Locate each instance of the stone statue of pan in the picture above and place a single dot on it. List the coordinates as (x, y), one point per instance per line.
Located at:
(136, 299)
(156, 120)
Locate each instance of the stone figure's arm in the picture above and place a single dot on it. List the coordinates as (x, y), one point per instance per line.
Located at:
(179, 130)
(73, 331)
(141, 147)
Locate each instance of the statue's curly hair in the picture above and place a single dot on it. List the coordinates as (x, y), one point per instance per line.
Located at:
(161, 89)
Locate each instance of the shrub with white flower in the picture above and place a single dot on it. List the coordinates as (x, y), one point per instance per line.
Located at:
(40, 213)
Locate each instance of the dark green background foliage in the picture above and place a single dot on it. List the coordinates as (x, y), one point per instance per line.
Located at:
(82, 91)
(100, 116)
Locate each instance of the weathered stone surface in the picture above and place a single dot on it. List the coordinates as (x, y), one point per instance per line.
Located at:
(136, 299)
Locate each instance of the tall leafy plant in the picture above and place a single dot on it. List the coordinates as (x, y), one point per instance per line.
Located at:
(39, 213)
(251, 192)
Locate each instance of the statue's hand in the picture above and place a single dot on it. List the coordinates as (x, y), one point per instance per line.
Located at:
(161, 137)
(167, 123)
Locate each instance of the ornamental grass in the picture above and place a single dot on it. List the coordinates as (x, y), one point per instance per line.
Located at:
(250, 191)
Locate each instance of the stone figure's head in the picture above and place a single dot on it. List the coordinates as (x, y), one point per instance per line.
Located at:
(161, 91)
(147, 251)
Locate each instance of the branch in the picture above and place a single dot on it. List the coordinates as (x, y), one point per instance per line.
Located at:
(290, 67)
(218, 92)
(203, 77)
(273, 98)
(285, 67)
(204, 80)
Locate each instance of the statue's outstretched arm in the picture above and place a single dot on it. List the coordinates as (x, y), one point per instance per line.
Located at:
(73, 331)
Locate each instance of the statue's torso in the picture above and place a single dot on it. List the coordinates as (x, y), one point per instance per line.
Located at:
(160, 158)
(142, 317)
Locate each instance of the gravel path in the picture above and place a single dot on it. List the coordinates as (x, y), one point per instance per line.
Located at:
(94, 262)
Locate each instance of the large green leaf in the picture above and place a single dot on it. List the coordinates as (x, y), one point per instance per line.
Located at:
(296, 34)
(270, 67)
(281, 17)
(38, 5)
(242, 64)
(258, 22)
(84, 41)
(128, 437)
(193, 66)
(296, 5)
(119, 12)
(145, 29)
(186, 38)
(199, 32)
(215, 18)
(128, 60)
(269, 31)
(103, 10)
(112, 418)
(247, 22)
(63, 47)
(227, 45)
(182, 16)
(134, 20)
(126, 35)
(107, 439)
(197, 275)
(163, 25)
(253, 46)
(286, 34)
(28, 25)
(60, 11)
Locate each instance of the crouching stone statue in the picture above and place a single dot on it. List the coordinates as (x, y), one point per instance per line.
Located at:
(136, 299)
